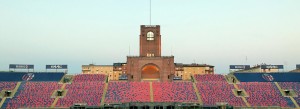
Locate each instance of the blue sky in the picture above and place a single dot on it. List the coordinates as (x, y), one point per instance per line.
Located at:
(216, 32)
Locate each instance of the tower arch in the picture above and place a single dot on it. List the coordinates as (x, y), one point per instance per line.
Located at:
(150, 72)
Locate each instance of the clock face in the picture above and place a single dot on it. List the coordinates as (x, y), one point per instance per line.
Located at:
(150, 35)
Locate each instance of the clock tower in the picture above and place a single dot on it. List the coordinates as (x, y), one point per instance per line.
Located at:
(150, 65)
(150, 41)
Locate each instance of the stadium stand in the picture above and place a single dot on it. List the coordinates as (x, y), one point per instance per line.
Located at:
(292, 85)
(213, 92)
(264, 94)
(21, 87)
(89, 92)
(214, 88)
(174, 92)
(89, 77)
(209, 77)
(34, 94)
(89, 88)
(122, 92)
(7, 85)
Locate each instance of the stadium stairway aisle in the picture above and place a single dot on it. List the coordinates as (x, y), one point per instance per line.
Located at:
(197, 93)
(295, 102)
(56, 99)
(2, 101)
(236, 87)
(151, 92)
(104, 93)
(292, 99)
(193, 79)
(196, 90)
(17, 89)
(243, 98)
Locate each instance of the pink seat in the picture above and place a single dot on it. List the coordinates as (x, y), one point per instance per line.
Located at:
(34, 94)
(292, 85)
(89, 92)
(89, 77)
(263, 94)
(174, 92)
(209, 77)
(128, 92)
(213, 92)
(7, 85)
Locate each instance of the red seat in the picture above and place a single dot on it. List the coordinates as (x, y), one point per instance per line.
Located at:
(89, 77)
(263, 94)
(209, 77)
(34, 94)
(89, 92)
(213, 92)
(128, 92)
(292, 85)
(7, 85)
(174, 92)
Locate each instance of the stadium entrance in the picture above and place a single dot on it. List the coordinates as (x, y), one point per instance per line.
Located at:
(150, 72)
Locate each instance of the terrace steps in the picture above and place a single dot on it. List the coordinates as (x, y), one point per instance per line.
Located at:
(236, 86)
(13, 94)
(56, 98)
(151, 92)
(104, 93)
(281, 91)
(243, 98)
(2, 101)
(295, 102)
(197, 93)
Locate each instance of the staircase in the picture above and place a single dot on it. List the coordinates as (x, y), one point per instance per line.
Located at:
(196, 89)
(295, 102)
(292, 99)
(2, 101)
(104, 93)
(16, 92)
(66, 76)
(243, 98)
(235, 86)
(54, 102)
(56, 98)
(151, 92)
(246, 102)
(229, 78)
(197, 93)
(193, 79)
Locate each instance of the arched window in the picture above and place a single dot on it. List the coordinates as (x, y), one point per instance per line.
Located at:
(150, 35)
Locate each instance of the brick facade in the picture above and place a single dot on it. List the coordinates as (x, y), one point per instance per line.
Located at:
(164, 64)
(150, 55)
(150, 65)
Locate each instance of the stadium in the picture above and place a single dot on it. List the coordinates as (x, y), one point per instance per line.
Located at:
(62, 37)
(93, 91)
(150, 81)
